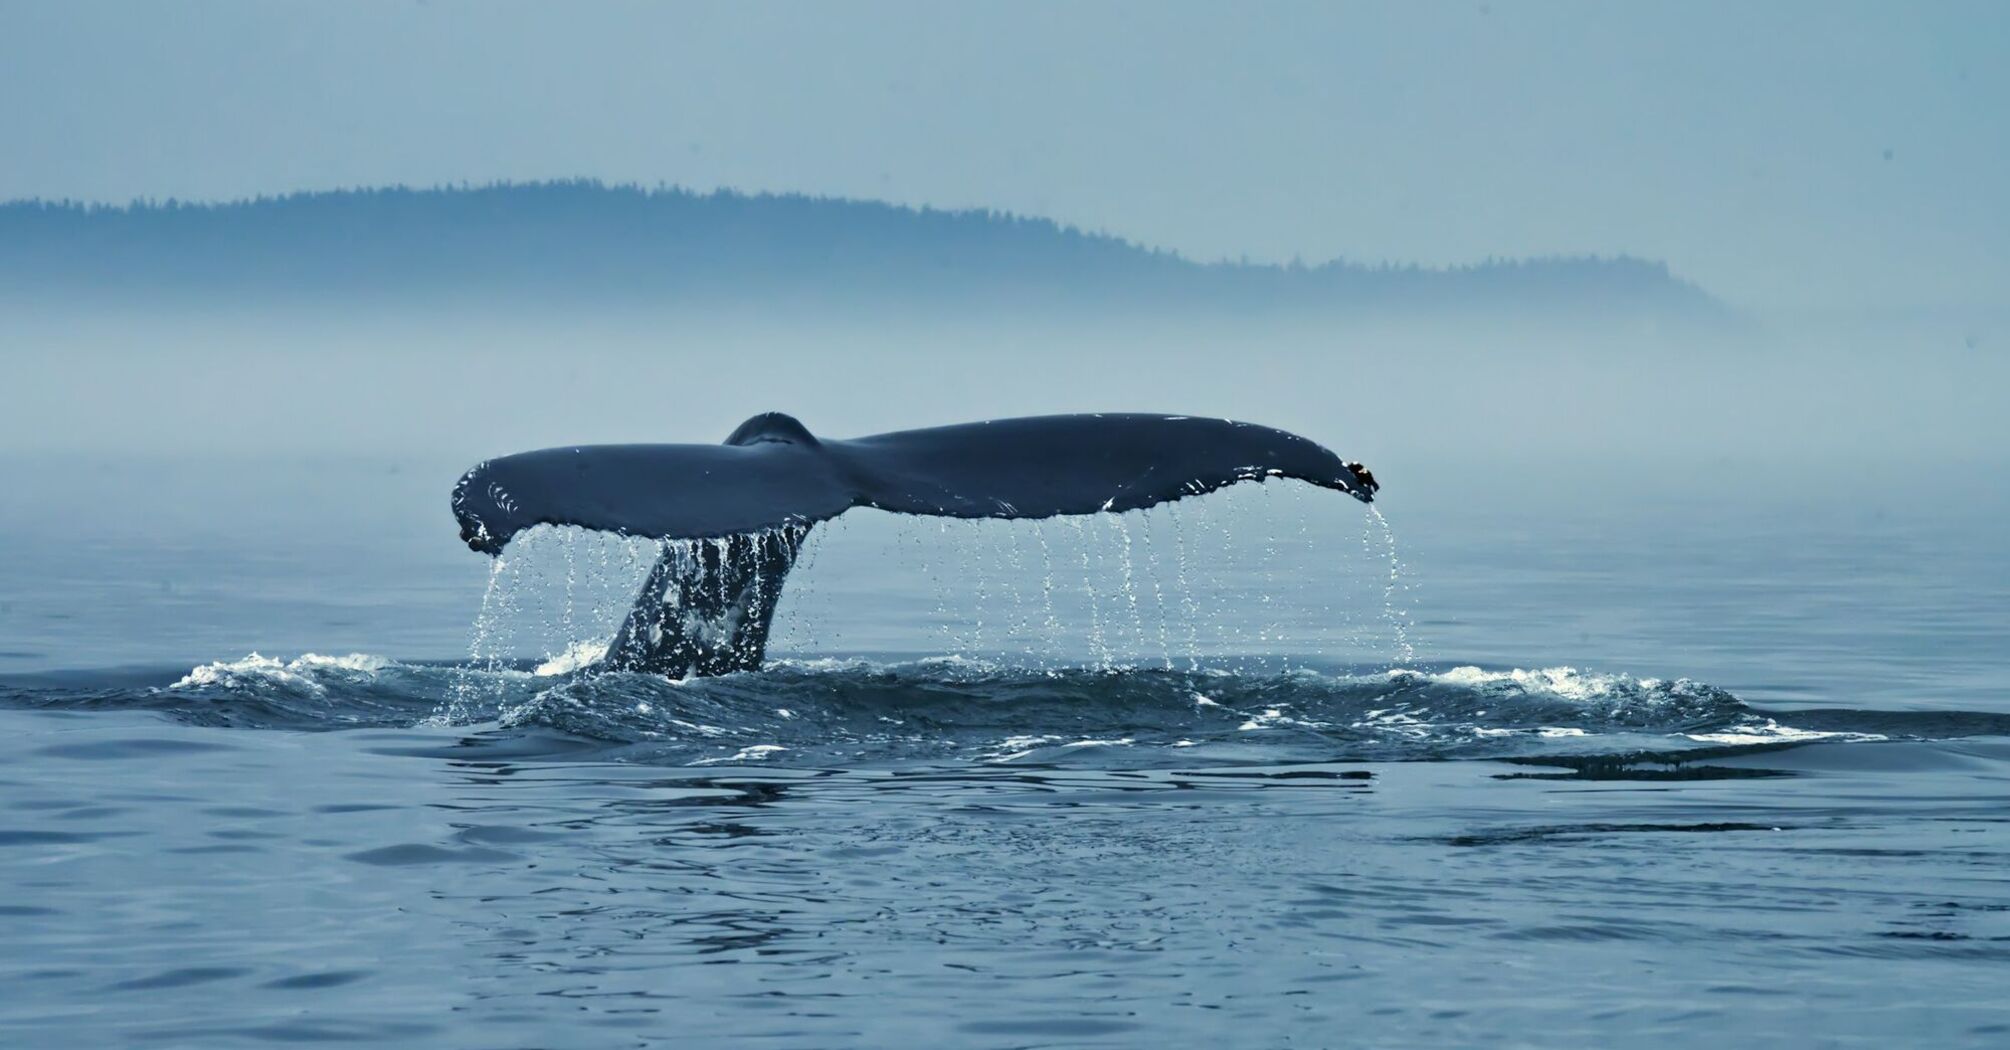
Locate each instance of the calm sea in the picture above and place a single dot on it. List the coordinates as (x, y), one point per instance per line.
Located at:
(1569, 756)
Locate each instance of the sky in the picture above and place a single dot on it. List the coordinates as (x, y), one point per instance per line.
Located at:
(1789, 156)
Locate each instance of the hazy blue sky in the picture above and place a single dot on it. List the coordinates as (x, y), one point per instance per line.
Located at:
(1785, 155)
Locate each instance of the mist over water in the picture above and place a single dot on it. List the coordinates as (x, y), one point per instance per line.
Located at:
(445, 388)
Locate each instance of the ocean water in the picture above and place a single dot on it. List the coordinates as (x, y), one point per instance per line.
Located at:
(1566, 761)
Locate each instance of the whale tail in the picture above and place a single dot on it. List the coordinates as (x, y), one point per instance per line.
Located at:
(733, 516)
(706, 605)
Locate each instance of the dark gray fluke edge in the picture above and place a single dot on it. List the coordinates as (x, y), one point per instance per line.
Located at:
(706, 607)
(772, 472)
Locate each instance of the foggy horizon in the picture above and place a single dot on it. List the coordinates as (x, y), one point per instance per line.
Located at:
(593, 244)
(1794, 158)
(156, 202)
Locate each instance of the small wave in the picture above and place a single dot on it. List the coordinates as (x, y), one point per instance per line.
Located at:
(577, 657)
(1565, 683)
(1768, 731)
(302, 672)
(750, 753)
(828, 710)
(841, 711)
(311, 691)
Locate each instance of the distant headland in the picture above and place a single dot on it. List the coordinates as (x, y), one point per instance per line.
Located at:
(587, 242)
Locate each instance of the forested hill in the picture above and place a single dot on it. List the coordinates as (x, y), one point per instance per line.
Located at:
(584, 241)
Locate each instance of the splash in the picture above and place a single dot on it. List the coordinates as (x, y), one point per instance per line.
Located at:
(818, 713)
(1397, 617)
(1181, 588)
(577, 656)
(303, 672)
(464, 696)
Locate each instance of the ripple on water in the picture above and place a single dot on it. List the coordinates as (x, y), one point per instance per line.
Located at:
(407, 854)
(815, 713)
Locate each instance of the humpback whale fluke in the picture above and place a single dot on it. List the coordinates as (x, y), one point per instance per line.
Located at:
(705, 607)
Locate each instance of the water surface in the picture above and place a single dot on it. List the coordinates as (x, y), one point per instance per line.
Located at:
(1688, 772)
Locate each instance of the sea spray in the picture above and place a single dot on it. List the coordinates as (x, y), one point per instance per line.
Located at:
(461, 699)
(1051, 622)
(1269, 632)
(1130, 590)
(568, 626)
(1398, 618)
(1252, 594)
(1097, 643)
(1192, 610)
(1158, 589)
(1006, 541)
(980, 579)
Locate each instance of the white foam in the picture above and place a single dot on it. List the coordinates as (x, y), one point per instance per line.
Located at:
(1567, 683)
(1277, 716)
(360, 662)
(955, 660)
(576, 656)
(1771, 732)
(255, 667)
(1397, 723)
(823, 664)
(1549, 732)
(1015, 747)
(750, 753)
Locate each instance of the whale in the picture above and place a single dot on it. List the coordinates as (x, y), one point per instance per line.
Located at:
(732, 517)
